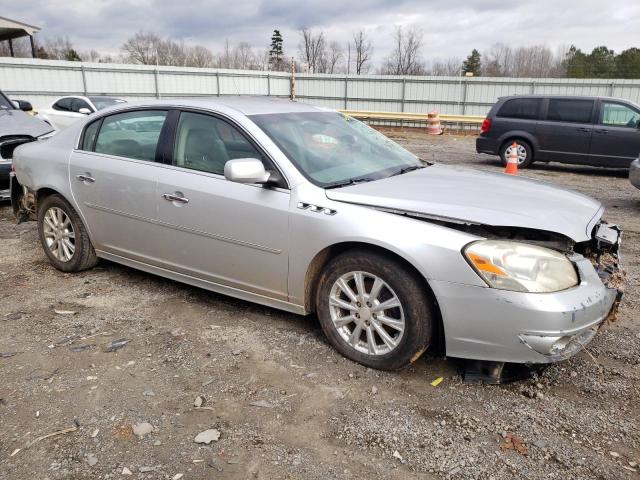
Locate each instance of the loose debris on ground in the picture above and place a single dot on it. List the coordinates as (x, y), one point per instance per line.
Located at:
(146, 366)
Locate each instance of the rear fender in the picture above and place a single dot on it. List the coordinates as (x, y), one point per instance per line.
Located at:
(531, 139)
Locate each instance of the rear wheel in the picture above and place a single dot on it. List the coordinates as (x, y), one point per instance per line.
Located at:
(525, 152)
(374, 310)
(63, 236)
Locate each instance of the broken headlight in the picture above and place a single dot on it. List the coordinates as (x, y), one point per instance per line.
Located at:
(521, 267)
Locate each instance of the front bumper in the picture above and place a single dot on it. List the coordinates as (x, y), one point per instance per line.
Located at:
(483, 323)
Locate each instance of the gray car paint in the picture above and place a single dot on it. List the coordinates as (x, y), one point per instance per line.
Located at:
(17, 122)
(258, 230)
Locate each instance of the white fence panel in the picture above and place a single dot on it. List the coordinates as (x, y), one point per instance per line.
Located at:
(41, 81)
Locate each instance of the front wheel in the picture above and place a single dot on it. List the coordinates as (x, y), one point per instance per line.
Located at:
(374, 310)
(525, 152)
(64, 238)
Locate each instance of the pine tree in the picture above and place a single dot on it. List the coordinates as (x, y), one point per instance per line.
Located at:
(276, 53)
(472, 63)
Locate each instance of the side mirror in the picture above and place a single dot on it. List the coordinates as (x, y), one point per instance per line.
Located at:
(23, 105)
(245, 170)
(85, 111)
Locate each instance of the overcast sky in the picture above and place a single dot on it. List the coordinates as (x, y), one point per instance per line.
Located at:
(451, 27)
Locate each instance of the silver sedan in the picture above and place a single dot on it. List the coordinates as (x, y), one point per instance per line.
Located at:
(310, 211)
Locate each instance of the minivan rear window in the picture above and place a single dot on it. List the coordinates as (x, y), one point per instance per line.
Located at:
(524, 108)
(571, 111)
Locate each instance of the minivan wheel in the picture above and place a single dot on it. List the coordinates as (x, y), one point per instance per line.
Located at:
(525, 152)
(63, 236)
(374, 310)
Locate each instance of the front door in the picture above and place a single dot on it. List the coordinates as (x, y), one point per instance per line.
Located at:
(216, 230)
(616, 137)
(113, 180)
(565, 134)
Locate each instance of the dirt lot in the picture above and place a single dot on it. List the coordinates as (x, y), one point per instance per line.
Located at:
(285, 404)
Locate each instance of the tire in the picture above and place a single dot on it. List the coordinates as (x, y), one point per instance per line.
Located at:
(415, 312)
(63, 236)
(525, 152)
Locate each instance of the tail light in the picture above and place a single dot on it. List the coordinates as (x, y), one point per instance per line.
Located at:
(486, 126)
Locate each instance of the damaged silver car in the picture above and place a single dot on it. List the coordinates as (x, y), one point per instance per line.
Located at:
(308, 210)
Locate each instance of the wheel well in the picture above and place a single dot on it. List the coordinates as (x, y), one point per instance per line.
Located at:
(323, 257)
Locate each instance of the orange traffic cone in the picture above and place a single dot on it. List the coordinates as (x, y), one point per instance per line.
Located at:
(512, 160)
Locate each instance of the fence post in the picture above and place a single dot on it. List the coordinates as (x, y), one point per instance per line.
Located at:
(217, 83)
(404, 89)
(84, 80)
(612, 86)
(464, 96)
(346, 91)
(533, 88)
(268, 85)
(157, 83)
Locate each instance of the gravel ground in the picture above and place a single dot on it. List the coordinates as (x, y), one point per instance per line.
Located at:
(283, 402)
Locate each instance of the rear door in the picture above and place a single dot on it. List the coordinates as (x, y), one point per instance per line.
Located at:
(113, 178)
(228, 233)
(616, 136)
(565, 133)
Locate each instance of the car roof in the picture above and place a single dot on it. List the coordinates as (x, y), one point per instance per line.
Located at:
(247, 105)
(573, 97)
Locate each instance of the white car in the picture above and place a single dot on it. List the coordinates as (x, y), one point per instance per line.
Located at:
(67, 110)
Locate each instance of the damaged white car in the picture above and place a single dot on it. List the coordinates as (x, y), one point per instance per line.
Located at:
(307, 210)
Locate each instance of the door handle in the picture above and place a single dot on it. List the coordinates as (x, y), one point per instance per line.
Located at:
(86, 178)
(175, 197)
(602, 131)
(583, 129)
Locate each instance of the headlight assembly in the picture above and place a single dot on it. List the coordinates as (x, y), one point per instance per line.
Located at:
(521, 267)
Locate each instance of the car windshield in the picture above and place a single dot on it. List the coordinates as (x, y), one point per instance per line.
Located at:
(332, 149)
(5, 103)
(104, 102)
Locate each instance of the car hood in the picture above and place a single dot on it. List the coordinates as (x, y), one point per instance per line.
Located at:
(17, 122)
(471, 196)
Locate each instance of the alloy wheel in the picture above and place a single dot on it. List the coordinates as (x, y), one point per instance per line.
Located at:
(367, 313)
(59, 234)
(522, 152)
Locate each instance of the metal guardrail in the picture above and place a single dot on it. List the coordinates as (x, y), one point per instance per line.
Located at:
(413, 117)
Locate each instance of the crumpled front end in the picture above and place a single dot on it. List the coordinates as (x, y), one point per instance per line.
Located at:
(535, 328)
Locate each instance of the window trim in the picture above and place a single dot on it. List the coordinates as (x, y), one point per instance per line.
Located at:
(170, 144)
(119, 112)
(615, 102)
(538, 113)
(591, 120)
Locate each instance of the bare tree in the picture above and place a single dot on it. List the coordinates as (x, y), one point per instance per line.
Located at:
(406, 56)
(142, 48)
(243, 57)
(335, 56)
(449, 67)
(363, 50)
(200, 56)
(312, 50)
(531, 61)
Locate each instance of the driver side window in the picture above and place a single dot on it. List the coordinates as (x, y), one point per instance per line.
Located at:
(205, 143)
(619, 115)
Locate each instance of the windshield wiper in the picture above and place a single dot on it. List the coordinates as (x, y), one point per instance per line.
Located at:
(407, 169)
(351, 181)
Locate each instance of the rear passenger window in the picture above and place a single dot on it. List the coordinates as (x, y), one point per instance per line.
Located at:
(525, 108)
(89, 137)
(206, 143)
(64, 105)
(571, 111)
(131, 134)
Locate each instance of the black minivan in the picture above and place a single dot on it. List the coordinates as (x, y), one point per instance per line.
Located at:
(580, 130)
